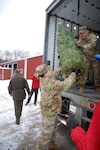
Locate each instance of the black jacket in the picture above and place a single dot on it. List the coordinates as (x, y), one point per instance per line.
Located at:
(17, 88)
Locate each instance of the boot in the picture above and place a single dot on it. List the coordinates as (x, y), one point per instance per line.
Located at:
(18, 121)
(98, 89)
(81, 90)
(53, 146)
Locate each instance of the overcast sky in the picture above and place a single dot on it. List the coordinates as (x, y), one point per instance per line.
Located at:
(22, 25)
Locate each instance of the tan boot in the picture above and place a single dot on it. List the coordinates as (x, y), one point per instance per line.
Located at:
(81, 90)
(98, 89)
(53, 146)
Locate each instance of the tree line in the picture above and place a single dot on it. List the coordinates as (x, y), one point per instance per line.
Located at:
(13, 55)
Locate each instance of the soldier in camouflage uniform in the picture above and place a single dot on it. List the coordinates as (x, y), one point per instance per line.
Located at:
(51, 103)
(87, 44)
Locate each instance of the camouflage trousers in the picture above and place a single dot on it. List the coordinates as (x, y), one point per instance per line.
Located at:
(48, 132)
(94, 67)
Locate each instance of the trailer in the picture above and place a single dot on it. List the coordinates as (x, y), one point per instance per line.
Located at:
(73, 13)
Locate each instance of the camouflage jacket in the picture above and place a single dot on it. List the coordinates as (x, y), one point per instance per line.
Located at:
(88, 46)
(51, 88)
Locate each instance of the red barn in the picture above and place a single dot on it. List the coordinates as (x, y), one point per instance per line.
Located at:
(27, 66)
(5, 73)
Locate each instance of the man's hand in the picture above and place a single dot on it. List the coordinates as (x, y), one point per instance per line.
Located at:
(66, 115)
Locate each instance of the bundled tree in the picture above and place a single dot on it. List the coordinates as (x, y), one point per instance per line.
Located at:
(70, 55)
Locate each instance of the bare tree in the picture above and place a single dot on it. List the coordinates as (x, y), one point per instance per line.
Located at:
(18, 54)
(7, 55)
(14, 55)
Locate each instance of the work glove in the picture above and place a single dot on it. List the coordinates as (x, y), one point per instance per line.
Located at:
(72, 122)
(97, 57)
(76, 70)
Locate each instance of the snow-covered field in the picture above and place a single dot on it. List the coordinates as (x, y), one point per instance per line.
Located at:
(25, 135)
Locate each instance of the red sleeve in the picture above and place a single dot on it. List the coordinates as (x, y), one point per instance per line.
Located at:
(35, 82)
(78, 136)
(32, 78)
(89, 140)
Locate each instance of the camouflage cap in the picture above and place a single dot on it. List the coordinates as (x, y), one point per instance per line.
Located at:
(82, 29)
(41, 69)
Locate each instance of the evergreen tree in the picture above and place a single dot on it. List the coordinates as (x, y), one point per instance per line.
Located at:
(70, 55)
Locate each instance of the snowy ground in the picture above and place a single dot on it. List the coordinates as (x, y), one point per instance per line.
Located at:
(25, 135)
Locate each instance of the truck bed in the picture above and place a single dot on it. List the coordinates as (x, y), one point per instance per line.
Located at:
(77, 102)
(81, 105)
(89, 92)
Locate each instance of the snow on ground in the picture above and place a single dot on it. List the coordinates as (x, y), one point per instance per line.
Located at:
(25, 135)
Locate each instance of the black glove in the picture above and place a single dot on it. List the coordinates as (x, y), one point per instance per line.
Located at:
(72, 122)
(76, 70)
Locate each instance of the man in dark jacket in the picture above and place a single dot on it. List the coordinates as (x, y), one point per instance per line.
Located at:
(16, 89)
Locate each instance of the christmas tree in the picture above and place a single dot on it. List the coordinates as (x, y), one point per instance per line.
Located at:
(70, 55)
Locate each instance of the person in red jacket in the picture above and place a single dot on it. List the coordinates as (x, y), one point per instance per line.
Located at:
(34, 89)
(86, 140)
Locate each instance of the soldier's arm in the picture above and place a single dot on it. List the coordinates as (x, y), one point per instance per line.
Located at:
(66, 84)
(57, 73)
(79, 43)
(92, 43)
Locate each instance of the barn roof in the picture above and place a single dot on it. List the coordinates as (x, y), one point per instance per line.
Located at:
(20, 59)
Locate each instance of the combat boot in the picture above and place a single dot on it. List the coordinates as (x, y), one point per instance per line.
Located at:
(53, 146)
(81, 89)
(17, 121)
(98, 89)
